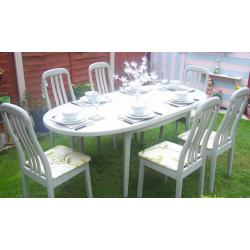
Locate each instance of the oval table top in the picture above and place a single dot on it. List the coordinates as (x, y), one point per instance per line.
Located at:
(120, 105)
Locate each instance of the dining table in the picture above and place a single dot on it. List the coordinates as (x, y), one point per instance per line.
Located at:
(115, 120)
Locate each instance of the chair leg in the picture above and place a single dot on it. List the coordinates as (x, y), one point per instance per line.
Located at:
(230, 161)
(201, 179)
(178, 191)
(25, 186)
(141, 138)
(187, 123)
(88, 182)
(52, 139)
(140, 180)
(82, 148)
(114, 142)
(99, 145)
(50, 190)
(212, 173)
(161, 133)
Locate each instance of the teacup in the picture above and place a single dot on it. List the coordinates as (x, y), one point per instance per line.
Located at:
(174, 83)
(70, 113)
(91, 96)
(181, 94)
(139, 108)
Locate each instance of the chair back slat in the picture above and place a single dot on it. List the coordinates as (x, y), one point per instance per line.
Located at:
(54, 90)
(194, 148)
(58, 89)
(227, 129)
(55, 78)
(21, 131)
(65, 99)
(102, 81)
(196, 77)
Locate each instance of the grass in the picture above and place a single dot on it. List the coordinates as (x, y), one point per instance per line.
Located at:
(107, 170)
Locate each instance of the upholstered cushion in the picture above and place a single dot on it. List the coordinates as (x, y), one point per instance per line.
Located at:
(210, 143)
(63, 159)
(165, 154)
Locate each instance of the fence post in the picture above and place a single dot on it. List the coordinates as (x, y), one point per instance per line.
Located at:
(20, 74)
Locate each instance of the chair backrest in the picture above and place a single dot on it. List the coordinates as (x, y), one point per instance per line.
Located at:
(19, 127)
(194, 149)
(55, 79)
(102, 77)
(196, 77)
(227, 129)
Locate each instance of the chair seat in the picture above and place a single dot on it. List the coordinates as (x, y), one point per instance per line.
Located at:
(63, 159)
(165, 154)
(210, 142)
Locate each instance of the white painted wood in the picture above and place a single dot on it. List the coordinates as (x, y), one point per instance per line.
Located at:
(20, 74)
(32, 159)
(195, 77)
(54, 78)
(225, 135)
(112, 66)
(103, 81)
(224, 138)
(126, 160)
(192, 155)
(111, 125)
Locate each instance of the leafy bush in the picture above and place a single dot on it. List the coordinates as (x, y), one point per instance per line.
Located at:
(80, 89)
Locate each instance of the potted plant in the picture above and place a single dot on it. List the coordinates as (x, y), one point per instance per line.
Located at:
(80, 89)
(37, 109)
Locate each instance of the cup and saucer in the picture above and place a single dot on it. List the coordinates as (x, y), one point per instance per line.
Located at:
(70, 116)
(181, 97)
(140, 111)
(91, 97)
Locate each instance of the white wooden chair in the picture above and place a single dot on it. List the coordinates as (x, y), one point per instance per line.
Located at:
(224, 138)
(50, 168)
(55, 79)
(101, 80)
(176, 161)
(194, 77)
(100, 77)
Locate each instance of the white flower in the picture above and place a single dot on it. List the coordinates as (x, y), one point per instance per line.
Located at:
(124, 79)
(116, 77)
(126, 63)
(134, 64)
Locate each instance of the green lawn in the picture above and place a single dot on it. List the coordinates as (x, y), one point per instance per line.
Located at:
(106, 171)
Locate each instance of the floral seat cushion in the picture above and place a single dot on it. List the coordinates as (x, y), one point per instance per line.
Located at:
(165, 154)
(210, 142)
(63, 159)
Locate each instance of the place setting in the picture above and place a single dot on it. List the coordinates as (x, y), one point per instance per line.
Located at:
(91, 98)
(138, 111)
(72, 118)
(174, 85)
(180, 99)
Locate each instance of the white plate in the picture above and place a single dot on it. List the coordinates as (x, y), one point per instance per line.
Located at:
(147, 115)
(101, 98)
(60, 119)
(186, 101)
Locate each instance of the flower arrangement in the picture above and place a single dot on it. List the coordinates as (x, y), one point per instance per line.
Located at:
(136, 75)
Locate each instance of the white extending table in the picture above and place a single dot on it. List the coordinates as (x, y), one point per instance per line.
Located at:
(119, 105)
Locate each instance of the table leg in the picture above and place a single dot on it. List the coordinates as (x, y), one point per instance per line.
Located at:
(126, 162)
